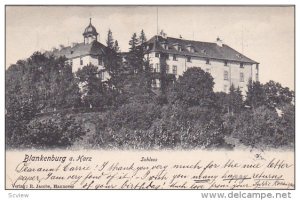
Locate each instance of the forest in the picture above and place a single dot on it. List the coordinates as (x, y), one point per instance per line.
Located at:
(48, 106)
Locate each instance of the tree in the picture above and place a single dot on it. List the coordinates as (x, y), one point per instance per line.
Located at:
(142, 38)
(287, 123)
(234, 100)
(116, 47)
(53, 131)
(259, 128)
(276, 95)
(92, 88)
(135, 56)
(194, 88)
(255, 94)
(133, 43)
(110, 40)
(38, 84)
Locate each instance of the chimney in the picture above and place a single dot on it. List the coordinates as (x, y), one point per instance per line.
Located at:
(163, 34)
(60, 47)
(54, 49)
(73, 44)
(219, 42)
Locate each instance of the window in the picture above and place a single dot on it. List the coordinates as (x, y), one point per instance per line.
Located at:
(188, 59)
(207, 61)
(81, 61)
(154, 83)
(151, 67)
(174, 69)
(225, 75)
(101, 75)
(165, 46)
(256, 76)
(167, 69)
(167, 56)
(158, 83)
(225, 63)
(100, 60)
(157, 55)
(190, 49)
(174, 57)
(157, 68)
(241, 65)
(241, 77)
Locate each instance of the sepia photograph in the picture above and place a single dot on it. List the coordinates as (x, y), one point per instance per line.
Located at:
(150, 97)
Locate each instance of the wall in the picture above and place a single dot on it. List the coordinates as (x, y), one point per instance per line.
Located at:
(87, 60)
(216, 68)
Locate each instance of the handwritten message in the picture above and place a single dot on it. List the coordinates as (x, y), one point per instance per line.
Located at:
(149, 170)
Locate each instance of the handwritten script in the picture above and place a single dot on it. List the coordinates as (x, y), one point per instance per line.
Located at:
(149, 170)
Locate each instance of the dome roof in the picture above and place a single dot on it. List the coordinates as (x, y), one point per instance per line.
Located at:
(90, 29)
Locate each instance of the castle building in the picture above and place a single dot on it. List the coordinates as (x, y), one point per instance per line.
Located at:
(90, 51)
(226, 65)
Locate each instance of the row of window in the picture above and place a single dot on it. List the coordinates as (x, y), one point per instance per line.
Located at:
(226, 76)
(100, 61)
(157, 68)
(189, 59)
(174, 71)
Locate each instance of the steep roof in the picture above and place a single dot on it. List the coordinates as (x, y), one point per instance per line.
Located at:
(80, 49)
(201, 49)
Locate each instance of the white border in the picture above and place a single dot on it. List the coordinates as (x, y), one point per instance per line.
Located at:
(183, 194)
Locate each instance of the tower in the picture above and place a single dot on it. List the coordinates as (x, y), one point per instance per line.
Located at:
(90, 33)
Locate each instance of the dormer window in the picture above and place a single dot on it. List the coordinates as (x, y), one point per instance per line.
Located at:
(239, 55)
(176, 46)
(190, 48)
(179, 48)
(203, 51)
(164, 45)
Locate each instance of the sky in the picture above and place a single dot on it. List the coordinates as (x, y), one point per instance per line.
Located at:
(264, 34)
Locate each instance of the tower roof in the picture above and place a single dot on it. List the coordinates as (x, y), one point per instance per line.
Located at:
(90, 29)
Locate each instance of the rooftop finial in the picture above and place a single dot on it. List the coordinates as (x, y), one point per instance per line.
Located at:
(90, 20)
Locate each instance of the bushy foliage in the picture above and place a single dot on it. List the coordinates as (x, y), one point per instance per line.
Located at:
(260, 128)
(134, 116)
(129, 114)
(194, 88)
(150, 126)
(53, 131)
